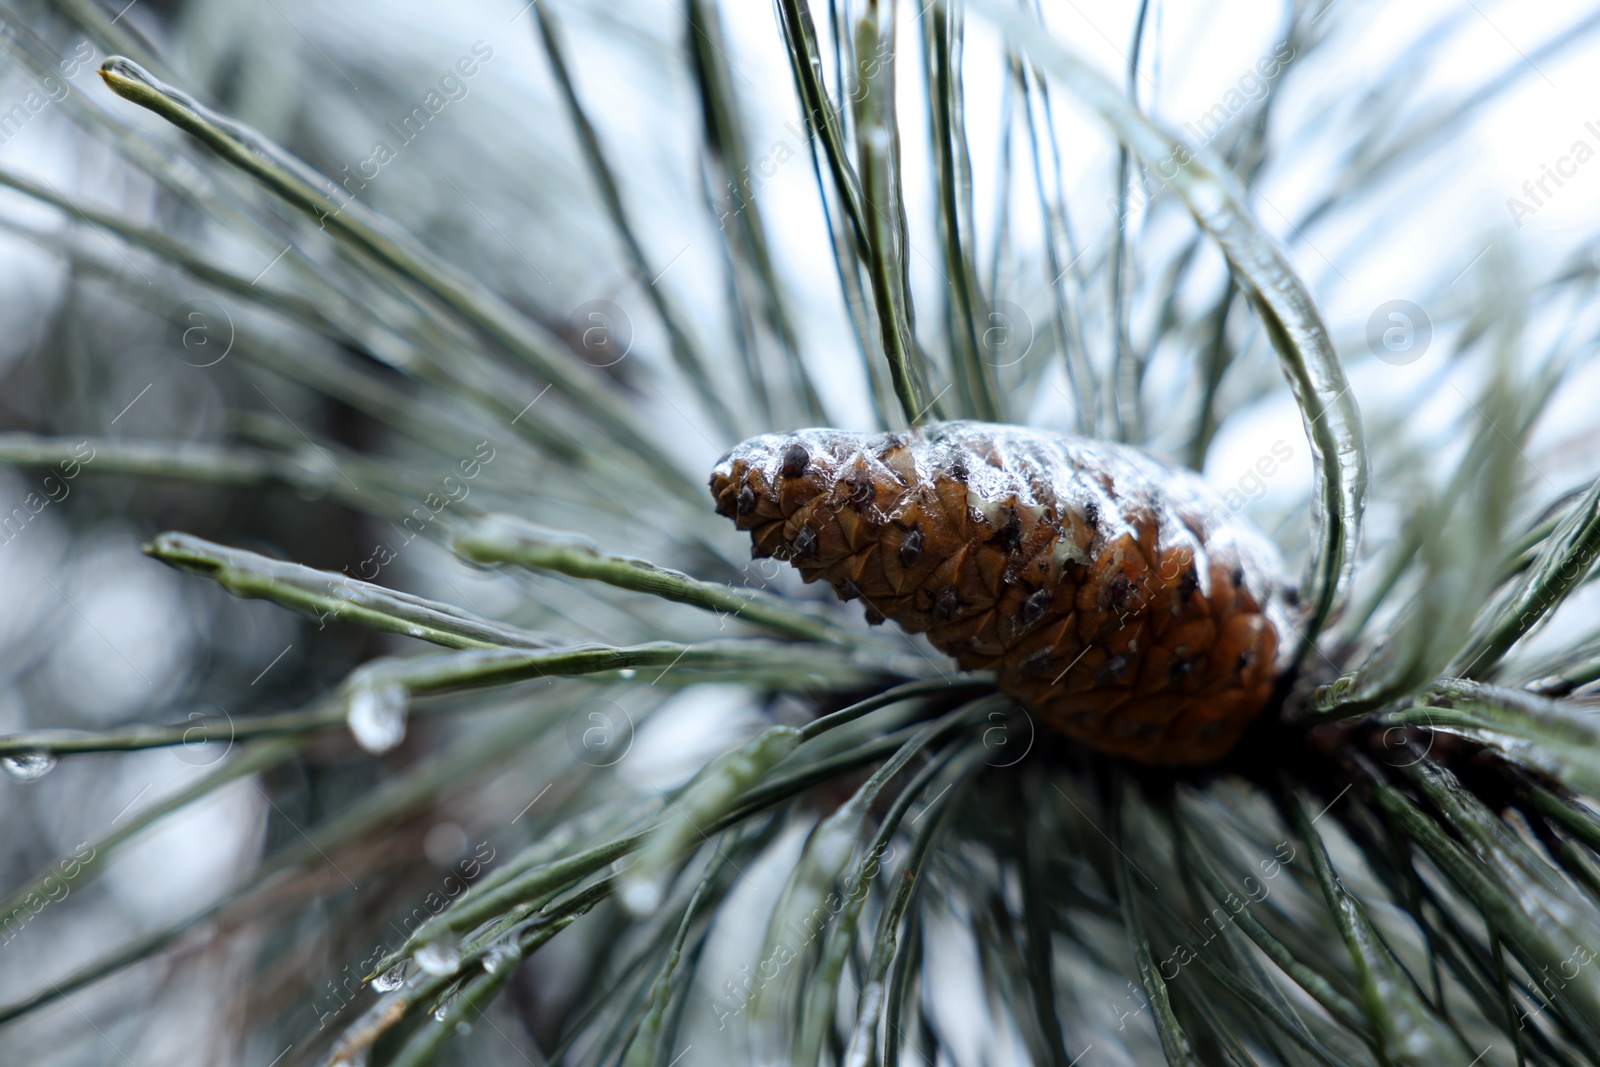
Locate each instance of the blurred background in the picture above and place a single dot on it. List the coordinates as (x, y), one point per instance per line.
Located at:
(1431, 168)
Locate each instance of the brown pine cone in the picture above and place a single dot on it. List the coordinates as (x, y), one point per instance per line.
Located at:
(1113, 594)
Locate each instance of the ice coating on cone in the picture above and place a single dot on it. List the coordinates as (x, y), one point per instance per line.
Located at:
(1115, 595)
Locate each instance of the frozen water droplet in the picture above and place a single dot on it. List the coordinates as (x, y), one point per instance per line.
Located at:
(440, 1012)
(377, 716)
(627, 672)
(390, 980)
(442, 957)
(28, 766)
(498, 957)
(641, 896)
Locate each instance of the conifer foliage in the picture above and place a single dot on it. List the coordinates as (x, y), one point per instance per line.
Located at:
(445, 718)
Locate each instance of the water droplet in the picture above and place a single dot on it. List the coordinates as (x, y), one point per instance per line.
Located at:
(390, 980)
(442, 957)
(642, 897)
(377, 716)
(463, 1029)
(440, 1012)
(28, 766)
(627, 672)
(498, 957)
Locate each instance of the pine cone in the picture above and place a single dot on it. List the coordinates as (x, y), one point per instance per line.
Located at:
(1112, 594)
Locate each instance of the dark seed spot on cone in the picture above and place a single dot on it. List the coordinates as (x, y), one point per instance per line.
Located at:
(1034, 605)
(1182, 669)
(945, 605)
(795, 460)
(805, 544)
(861, 489)
(1009, 536)
(1118, 591)
(911, 548)
(746, 501)
(1111, 672)
(1238, 577)
(1091, 517)
(1188, 584)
